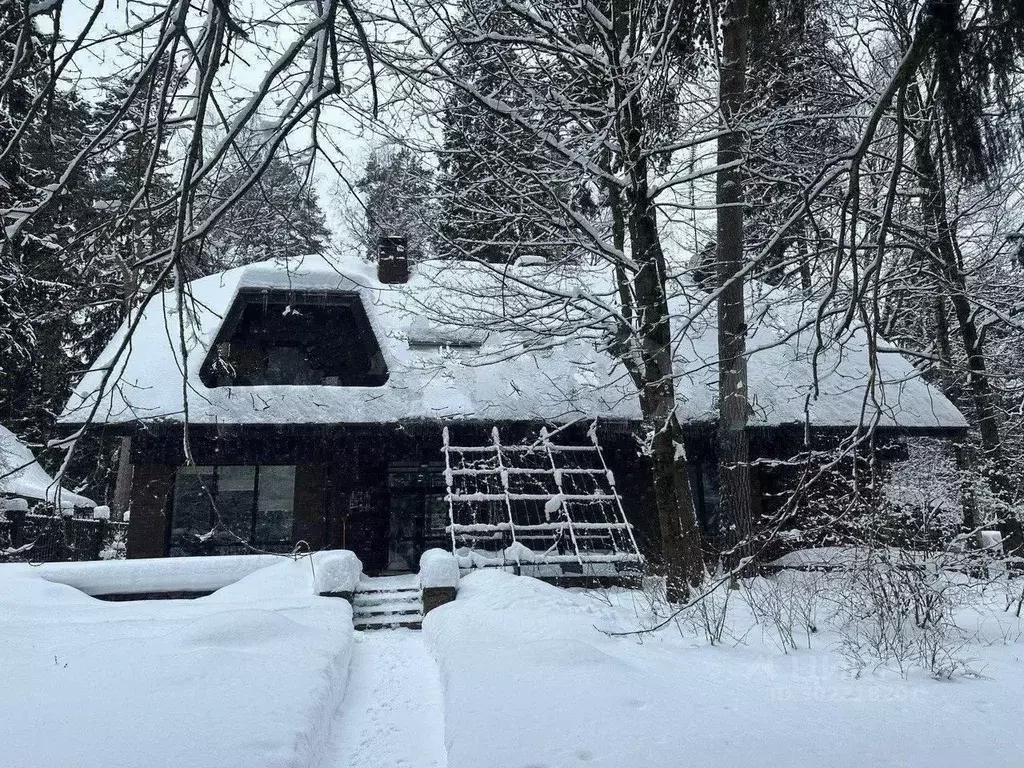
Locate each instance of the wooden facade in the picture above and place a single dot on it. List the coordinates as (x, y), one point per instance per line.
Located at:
(349, 480)
(353, 482)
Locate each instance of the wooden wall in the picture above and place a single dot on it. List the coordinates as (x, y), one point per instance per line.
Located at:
(150, 502)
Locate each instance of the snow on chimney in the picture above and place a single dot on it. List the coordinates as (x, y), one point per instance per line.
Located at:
(393, 260)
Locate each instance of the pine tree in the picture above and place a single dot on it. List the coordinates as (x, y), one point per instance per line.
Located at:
(278, 216)
(397, 198)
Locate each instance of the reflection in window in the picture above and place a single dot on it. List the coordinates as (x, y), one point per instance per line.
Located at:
(221, 510)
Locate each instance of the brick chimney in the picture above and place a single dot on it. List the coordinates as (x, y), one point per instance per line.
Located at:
(393, 260)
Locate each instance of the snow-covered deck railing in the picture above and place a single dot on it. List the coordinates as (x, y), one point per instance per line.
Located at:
(542, 503)
(156, 576)
(439, 579)
(336, 573)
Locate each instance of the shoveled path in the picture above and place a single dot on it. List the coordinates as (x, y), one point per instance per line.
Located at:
(392, 713)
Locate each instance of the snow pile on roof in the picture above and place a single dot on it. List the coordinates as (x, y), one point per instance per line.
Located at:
(21, 475)
(249, 676)
(425, 381)
(494, 343)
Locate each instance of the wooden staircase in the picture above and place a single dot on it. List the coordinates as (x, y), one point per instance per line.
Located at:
(387, 602)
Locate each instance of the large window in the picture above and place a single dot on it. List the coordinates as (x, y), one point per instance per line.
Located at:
(290, 338)
(228, 509)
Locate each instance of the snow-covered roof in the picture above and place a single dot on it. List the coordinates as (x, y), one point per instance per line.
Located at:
(495, 367)
(22, 476)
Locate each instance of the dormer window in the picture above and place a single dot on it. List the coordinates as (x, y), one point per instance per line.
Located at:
(277, 337)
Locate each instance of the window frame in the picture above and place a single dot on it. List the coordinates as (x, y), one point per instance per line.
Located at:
(378, 374)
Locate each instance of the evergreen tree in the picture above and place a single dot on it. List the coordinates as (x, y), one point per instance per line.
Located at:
(397, 198)
(42, 279)
(277, 216)
(484, 213)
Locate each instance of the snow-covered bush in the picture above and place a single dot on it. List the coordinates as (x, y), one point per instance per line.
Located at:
(786, 606)
(438, 569)
(116, 548)
(708, 612)
(895, 607)
(336, 572)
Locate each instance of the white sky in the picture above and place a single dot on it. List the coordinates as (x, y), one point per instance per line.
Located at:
(348, 137)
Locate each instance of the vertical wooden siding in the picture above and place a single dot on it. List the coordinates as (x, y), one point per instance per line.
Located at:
(151, 490)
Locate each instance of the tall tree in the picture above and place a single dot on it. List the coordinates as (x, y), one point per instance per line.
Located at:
(397, 193)
(734, 496)
(499, 216)
(279, 216)
(43, 281)
(559, 106)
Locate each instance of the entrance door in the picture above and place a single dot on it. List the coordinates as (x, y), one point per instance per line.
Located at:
(362, 527)
(419, 513)
(359, 501)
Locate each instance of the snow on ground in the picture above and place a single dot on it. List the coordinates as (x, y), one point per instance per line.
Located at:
(513, 674)
(250, 676)
(531, 679)
(391, 716)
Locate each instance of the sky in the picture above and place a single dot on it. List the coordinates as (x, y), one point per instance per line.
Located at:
(346, 136)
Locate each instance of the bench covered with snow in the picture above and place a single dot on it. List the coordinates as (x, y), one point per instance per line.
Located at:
(335, 572)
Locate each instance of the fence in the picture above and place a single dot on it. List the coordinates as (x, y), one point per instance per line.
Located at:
(41, 537)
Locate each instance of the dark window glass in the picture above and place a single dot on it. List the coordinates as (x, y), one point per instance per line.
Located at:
(295, 339)
(191, 516)
(218, 510)
(235, 489)
(275, 506)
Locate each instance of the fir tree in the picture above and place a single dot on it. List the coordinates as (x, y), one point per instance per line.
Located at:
(397, 199)
(278, 216)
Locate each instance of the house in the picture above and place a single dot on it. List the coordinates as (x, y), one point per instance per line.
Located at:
(388, 409)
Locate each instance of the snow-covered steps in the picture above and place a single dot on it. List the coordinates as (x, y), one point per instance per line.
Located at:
(388, 602)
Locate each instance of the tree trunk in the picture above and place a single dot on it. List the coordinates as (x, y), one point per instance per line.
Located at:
(682, 557)
(123, 482)
(735, 504)
(944, 251)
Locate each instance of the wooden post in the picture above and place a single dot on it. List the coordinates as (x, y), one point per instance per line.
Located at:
(433, 597)
(17, 518)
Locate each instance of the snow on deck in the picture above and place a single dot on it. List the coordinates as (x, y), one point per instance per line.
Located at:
(154, 575)
(456, 344)
(249, 676)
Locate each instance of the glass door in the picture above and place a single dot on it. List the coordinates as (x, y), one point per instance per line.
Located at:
(419, 513)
